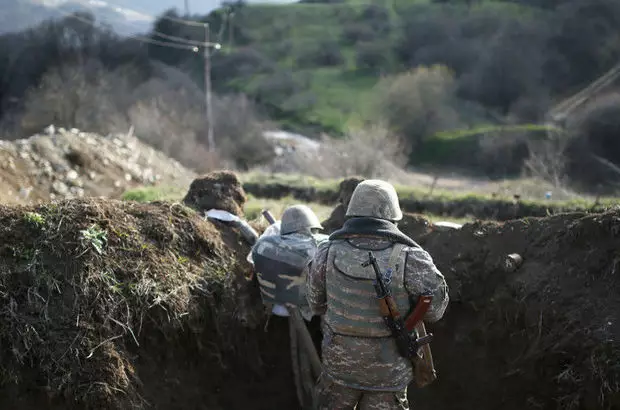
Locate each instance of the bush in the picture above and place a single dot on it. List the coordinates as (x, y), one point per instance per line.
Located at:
(369, 152)
(594, 153)
(168, 114)
(357, 32)
(418, 103)
(372, 56)
(324, 53)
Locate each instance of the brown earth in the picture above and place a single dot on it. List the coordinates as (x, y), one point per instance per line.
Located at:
(345, 191)
(542, 337)
(73, 164)
(218, 190)
(163, 316)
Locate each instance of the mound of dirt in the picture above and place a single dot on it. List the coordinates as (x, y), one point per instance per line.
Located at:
(545, 336)
(116, 305)
(345, 191)
(219, 190)
(73, 164)
(414, 224)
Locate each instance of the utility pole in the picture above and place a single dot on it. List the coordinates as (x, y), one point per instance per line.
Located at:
(230, 29)
(207, 56)
(186, 8)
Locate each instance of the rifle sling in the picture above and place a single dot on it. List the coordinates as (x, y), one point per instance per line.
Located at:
(396, 250)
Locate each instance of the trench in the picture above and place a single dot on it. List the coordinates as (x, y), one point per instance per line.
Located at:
(541, 337)
(466, 207)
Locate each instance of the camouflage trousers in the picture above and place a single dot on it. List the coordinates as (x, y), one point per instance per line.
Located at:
(334, 396)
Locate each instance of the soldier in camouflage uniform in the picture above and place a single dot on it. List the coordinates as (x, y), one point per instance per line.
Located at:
(279, 260)
(361, 364)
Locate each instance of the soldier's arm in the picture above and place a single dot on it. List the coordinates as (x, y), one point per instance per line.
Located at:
(316, 294)
(421, 275)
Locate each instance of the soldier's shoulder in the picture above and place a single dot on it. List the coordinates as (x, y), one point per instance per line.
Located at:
(416, 250)
(418, 255)
(268, 239)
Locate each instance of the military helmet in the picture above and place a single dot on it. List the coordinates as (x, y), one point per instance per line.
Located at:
(376, 199)
(298, 217)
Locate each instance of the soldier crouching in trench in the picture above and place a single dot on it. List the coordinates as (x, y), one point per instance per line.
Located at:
(280, 256)
(362, 367)
(279, 259)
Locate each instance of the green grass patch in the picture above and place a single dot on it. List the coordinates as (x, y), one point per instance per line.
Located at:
(487, 129)
(154, 193)
(406, 192)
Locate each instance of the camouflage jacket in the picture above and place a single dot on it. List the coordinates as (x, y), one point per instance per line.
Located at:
(372, 363)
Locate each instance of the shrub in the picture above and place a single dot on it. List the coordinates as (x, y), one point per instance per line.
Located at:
(371, 151)
(168, 114)
(417, 103)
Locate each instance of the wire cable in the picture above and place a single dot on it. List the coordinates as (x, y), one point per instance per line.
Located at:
(175, 19)
(193, 48)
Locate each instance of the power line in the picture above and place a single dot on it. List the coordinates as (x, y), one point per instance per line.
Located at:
(163, 35)
(184, 40)
(140, 38)
(165, 17)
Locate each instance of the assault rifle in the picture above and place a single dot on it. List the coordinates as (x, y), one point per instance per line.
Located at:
(406, 343)
(268, 216)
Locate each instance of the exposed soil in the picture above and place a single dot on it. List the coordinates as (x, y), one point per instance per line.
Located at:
(65, 164)
(219, 190)
(163, 316)
(543, 336)
(345, 191)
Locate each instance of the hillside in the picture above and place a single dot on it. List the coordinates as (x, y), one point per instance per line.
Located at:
(313, 66)
(448, 85)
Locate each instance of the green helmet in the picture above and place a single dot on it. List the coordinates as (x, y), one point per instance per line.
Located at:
(298, 217)
(376, 199)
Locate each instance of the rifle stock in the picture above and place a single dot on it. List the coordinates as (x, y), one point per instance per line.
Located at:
(424, 368)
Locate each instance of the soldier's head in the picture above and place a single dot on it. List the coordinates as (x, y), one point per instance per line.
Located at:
(375, 199)
(299, 219)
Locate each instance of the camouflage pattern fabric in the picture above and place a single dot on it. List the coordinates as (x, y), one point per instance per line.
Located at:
(372, 364)
(279, 261)
(353, 309)
(333, 396)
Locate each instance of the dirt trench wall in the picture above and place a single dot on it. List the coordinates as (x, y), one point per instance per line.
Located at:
(115, 305)
(542, 337)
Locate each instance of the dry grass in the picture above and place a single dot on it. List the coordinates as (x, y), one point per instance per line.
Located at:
(82, 283)
(255, 205)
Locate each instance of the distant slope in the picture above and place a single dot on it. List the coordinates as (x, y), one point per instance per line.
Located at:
(312, 65)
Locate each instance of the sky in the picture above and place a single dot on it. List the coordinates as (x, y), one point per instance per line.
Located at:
(140, 13)
(154, 7)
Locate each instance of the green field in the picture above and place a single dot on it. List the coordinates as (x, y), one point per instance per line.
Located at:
(277, 191)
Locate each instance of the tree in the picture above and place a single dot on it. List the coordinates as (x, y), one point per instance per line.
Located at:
(417, 103)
